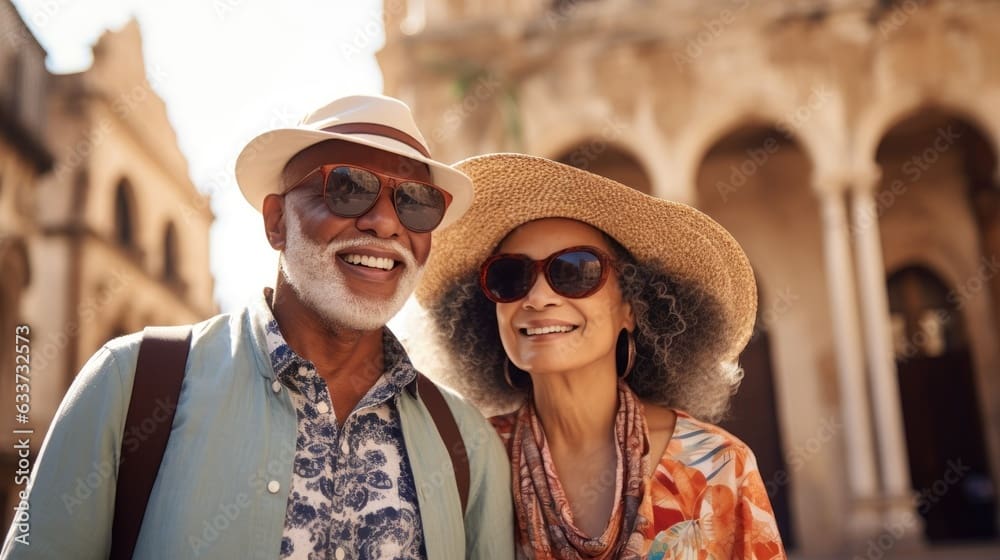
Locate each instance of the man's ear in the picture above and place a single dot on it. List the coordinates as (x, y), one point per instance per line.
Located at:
(273, 210)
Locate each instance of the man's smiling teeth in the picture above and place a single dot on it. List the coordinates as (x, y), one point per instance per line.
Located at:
(548, 330)
(371, 262)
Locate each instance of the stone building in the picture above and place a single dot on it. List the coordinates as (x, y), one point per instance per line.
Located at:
(103, 231)
(851, 147)
(25, 159)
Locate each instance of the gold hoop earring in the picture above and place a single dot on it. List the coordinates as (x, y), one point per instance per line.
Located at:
(625, 353)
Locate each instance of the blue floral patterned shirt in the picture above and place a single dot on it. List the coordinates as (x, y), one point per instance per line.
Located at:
(352, 495)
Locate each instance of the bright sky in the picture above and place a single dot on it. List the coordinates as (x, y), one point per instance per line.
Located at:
(232, 69)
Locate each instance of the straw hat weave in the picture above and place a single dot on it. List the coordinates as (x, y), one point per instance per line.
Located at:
(513, 189)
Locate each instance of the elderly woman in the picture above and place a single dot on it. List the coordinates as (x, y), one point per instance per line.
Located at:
(609, 322)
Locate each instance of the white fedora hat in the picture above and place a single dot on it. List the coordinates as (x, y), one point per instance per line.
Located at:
(376, 121)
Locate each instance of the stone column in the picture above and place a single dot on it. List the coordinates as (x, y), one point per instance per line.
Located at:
(898, 499)
(862, 481)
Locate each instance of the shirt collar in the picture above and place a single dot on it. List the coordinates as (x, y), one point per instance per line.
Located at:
(398, 370)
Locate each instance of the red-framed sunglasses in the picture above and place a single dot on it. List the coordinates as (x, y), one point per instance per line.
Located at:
(351, 190)
(573, 272)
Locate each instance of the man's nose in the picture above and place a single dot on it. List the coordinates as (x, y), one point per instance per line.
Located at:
(381, 220)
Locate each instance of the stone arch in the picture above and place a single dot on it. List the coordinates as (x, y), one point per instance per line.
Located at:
(883, 118)
(926, 252)
(755, 144)
(938, 204)
(939, 165)
(817, 142)
(609, 160)
(755, 180)
(559, 132)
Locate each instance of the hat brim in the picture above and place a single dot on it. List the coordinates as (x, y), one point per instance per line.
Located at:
(262, 160)
(513, 189)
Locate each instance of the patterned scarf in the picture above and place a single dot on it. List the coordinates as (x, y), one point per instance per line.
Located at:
(544, 517)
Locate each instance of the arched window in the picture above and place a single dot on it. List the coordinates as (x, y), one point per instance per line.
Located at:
(125, 227)
(170, 258)
(925, 322)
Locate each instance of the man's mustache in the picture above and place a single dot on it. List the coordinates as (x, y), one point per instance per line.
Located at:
(405, 255)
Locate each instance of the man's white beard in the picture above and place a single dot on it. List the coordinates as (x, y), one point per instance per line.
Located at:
(311, 271)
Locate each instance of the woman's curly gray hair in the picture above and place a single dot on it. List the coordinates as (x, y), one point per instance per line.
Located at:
(676, 337)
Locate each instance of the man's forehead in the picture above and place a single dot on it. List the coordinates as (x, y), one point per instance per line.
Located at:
(340, 151)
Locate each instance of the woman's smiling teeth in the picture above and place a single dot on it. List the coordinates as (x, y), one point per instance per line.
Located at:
(534, 331)
(381, 263)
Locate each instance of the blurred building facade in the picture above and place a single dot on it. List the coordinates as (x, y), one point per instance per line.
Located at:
(851, 147)
(101, 229)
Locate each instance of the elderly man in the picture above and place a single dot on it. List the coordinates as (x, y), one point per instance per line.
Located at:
(301, 430)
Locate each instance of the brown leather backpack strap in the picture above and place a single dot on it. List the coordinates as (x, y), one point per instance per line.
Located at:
(159, 372)
(450, 434)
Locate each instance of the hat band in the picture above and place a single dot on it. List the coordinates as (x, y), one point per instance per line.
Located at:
(379, 130)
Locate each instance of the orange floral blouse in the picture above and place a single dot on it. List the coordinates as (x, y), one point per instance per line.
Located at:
(706, 499)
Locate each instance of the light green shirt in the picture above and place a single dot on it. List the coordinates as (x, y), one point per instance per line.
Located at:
(222, 488)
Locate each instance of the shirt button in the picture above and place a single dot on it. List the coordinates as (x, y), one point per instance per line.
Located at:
(340, 553)
(303, 370)
(344, 447)
(273, 486)
(322, 407)
(276, 386)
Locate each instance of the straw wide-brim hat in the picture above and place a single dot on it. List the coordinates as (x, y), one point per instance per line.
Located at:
(676, 239)
(376, 121)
